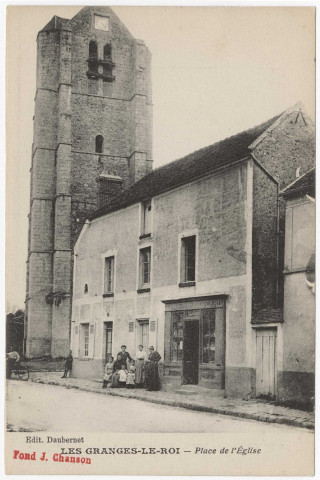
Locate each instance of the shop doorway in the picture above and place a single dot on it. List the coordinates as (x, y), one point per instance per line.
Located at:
(191, 352)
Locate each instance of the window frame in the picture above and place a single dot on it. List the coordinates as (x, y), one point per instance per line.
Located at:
(108, 271)
(183, 280)
(146, 231)
(104, 255)
(84, 334)
(99, 144)
(141, 285)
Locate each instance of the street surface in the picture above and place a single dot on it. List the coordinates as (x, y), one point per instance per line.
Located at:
(37, 407)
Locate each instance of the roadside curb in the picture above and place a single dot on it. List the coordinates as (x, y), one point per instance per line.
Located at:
(266, 418)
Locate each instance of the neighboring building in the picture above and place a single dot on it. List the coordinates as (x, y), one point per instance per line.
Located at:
(296, 374)
(188, 260)
(92, 138)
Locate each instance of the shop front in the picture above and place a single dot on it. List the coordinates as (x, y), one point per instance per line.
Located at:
(194, 349)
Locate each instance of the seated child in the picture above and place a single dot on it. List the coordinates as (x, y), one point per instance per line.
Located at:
(108, 369)
(131, 377)
(122, 376)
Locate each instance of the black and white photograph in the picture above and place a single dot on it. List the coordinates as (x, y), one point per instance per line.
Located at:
(160, 240)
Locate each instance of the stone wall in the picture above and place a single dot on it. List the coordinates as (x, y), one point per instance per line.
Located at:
(70, 111)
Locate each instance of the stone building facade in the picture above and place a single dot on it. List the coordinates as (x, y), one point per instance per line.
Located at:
(189, 260)
(296, 381)
(92, 139)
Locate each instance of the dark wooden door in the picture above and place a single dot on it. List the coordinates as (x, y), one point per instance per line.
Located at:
(191, 352)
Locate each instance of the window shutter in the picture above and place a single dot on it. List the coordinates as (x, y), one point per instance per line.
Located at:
(75, 351)
(91, 340)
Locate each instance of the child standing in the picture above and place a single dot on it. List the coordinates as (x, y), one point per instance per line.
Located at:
(108, 370)
(131, 377)
(122, 376)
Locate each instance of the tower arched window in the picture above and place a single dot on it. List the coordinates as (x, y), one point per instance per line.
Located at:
(107, 63)
(93, 50)
(107, 51)
(93, 59)
(99, 144)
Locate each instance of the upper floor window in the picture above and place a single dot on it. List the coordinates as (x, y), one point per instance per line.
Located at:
(101, 23)
(108, 274)
(145, 266)
(188, 259)
(93, 50)
(107, 51)
(99, 144)
(93, 60)
(146, 218)
(107, 63)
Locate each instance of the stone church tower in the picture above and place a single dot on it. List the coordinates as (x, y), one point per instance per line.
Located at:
(92, 138)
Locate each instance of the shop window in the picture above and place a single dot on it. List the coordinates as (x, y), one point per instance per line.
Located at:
(108, 275)
(188, 259)
(208, 336)
(99, 144)
(176, 351)
(84, 339)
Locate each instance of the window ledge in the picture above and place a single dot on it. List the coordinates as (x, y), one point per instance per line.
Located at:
(187, 284)
(109, 294)
(145, 235)
(143, 290)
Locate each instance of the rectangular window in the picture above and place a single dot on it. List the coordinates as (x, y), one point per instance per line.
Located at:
(145, 266)
(188, 259)
(208, 336)
(85, 339)
(146, 218)
(108, 274)
(176, 352)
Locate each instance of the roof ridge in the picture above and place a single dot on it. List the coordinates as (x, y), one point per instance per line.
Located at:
(248, 130)
(185, 169)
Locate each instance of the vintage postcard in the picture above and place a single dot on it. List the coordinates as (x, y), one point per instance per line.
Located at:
(160, 254)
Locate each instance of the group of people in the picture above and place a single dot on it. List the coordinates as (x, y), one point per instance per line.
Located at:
(140, 372)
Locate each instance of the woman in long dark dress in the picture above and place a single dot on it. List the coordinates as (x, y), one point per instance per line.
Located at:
(152, 379)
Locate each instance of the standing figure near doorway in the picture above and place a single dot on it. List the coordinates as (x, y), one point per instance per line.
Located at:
(141, 357)
(125, 356)
(152, 380)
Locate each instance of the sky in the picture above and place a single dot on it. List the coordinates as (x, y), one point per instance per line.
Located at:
(215, 71)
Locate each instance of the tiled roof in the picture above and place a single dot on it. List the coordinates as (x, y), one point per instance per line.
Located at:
(303, 185)
(186, 169)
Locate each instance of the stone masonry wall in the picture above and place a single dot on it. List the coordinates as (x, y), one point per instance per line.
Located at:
(70, 111)
(264, 240)
(290, 145)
